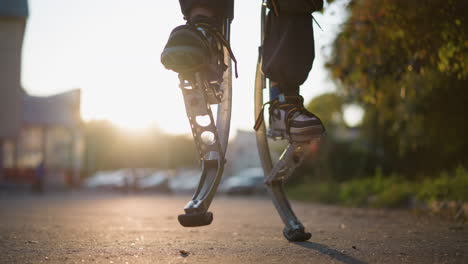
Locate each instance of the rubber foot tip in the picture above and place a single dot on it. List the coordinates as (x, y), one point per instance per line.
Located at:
(296, 235)
(193, 220)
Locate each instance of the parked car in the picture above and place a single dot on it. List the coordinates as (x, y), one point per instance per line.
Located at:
(108, 180)
(123, 179)
(185, 181)
(156, 181)
(246, 182)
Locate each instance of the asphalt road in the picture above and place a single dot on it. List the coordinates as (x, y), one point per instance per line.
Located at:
(91, 228)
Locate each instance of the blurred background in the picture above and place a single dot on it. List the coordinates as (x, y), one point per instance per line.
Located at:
(85, 102)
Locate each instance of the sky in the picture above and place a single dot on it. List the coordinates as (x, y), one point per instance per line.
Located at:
(110, 49)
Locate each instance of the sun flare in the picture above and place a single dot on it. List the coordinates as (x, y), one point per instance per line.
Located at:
(139, 109)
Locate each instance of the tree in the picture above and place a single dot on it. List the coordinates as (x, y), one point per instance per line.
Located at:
(329, 107)
(406, 61)
(110, 148)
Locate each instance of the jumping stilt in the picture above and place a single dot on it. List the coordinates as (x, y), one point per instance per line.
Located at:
(276, 174)
(210, 136)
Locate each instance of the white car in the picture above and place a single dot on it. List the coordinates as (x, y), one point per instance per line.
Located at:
(247, 181)
(108, 180)
(156, 181)
(186, 181)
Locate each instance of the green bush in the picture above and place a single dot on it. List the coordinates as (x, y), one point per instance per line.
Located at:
(314, 191)
(377, 191)
(384, 191)
(448, 187)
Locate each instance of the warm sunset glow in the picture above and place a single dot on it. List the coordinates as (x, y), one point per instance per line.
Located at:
(139, 109)
(111, 51)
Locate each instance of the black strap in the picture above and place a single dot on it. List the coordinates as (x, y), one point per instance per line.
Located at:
(259, 120)
(221, 39)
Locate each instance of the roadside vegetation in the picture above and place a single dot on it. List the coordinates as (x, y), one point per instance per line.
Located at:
(390, 191)
(405, 64)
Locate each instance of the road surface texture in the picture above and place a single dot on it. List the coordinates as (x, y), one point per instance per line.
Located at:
(92, 228)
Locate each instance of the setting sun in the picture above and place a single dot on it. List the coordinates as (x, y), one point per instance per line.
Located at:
(112, 53)
(139, 108)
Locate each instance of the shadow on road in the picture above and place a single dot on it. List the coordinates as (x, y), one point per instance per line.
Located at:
(333, 253)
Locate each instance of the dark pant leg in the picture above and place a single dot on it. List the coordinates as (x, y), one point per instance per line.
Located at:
(222, 8)
(288, 49)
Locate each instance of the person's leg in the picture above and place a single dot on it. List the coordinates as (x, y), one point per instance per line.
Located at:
(288, 49)
(288, 54)
(219, 8)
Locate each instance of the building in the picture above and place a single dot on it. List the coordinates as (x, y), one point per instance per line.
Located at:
(33, 130)
(13, 15)
(242, 153)
(50, 134)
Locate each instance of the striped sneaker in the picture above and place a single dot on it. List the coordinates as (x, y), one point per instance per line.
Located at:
(197, 47)
(290, 120)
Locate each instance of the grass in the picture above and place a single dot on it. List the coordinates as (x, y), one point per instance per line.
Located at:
(389, 191)
(448, 187)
